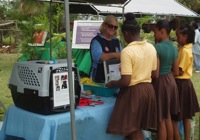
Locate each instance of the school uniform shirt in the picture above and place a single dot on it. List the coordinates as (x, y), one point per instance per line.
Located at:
(167, 53)
(185, 59)
(138, 59)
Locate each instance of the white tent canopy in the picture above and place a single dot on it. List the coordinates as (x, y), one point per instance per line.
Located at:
(102, 2)
(149, 7)
(143, 7)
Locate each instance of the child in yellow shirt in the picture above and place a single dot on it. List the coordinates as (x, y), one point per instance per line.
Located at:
(187, 96)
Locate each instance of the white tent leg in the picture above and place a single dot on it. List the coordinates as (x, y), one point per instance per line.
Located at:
(69, 63)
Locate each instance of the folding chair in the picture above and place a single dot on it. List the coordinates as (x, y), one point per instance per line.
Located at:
(42, 42)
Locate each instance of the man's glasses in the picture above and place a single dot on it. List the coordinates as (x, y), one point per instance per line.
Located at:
(112, 26)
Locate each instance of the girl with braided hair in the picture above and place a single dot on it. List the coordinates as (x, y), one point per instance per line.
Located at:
(187, 95)
(135, 106)
(165, 85)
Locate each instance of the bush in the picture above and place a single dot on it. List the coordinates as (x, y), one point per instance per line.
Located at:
(8, 40)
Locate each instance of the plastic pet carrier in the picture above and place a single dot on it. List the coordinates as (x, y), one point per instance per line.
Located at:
(43, 88)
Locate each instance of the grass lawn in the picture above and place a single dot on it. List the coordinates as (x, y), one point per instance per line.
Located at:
(196, 83)
(6, 64)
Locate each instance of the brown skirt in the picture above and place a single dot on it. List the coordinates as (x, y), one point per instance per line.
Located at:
(167, 96)
(188, 100)
(135, 109)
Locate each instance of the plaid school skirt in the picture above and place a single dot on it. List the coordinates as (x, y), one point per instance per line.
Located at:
(135, 109)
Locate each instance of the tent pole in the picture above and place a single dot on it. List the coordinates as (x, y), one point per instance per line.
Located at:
(98, 16)
(123, 14)
(69, 64)
(50, 26)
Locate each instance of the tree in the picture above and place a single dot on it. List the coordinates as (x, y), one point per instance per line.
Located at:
(2, 12)
(192, 4)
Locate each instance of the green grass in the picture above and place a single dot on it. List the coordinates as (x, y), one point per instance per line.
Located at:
(6, 64)
(196, 83)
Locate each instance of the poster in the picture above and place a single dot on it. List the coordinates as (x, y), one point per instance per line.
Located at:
(83, 32)
(112, 69)
(61, 89)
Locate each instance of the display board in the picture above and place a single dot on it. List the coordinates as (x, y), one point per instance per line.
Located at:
(112, 69)
(61, 89)
(83, 32)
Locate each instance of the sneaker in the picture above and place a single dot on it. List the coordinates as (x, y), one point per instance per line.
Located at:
(197, 71)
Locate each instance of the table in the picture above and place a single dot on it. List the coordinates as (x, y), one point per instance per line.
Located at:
(91, 124)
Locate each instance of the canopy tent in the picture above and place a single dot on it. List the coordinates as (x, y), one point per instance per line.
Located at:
(69, 56)
(165, 7)
(141, 7)
(152, 6)
(77, 7)
(101, 1)
(120, 7)
(149, 7)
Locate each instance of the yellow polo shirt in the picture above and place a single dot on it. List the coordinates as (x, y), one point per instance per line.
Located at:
(138, 59)
(185, 59)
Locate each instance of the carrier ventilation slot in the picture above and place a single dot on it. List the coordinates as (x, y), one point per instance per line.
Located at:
(27, 76)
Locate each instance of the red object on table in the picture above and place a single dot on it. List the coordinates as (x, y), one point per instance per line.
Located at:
(89, 102)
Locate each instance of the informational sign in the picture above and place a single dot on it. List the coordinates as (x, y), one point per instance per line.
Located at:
(112, 69)
(83, 32)
(61, 89)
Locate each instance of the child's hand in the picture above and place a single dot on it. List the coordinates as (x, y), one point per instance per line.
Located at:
(110, 84)
(181, 72)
